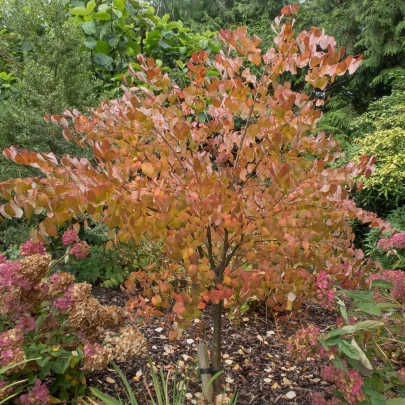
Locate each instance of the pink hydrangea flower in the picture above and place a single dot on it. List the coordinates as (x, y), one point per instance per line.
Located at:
(349, 384)
(66, 302)
(80, 250)
(318, 398)
(69, 237)
(39, 395)
(397, 279)
(384, 244)
(26, 323)
(398, 240)
(30, 248)
(11, 276)
(324, 280)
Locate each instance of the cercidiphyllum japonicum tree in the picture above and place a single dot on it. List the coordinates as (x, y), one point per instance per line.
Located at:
(226, 171)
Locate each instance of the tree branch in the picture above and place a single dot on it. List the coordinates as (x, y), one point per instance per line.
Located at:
(210, 255)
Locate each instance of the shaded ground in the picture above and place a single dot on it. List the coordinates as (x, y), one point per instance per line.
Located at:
(256, 362)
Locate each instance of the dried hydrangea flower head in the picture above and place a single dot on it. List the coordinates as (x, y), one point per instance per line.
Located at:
(60, 282)
(35, 267)
(87, 315)
(80, 250)
(349, 384)
(129, 343)
(38, 395)
(304, 343)
(11, 350)
(96, 356)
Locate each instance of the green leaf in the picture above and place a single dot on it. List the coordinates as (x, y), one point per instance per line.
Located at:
(61, 365)
(114, 41)
(378, 283)
(364, 296)
(374, 397)
(165, 18)
(91, 5)
(324, 345)
(396, 401)
(336, 332)
(26, 46)
(369, 308)
(349, 350)
(64, 396)
(134, 46)
(333, 341)
(201, 117)
(102, 16)
(42, 362)
(102, 47)
(102, 59)
(81, 11)
(168, 35)
(164, 44)
(362, 325)
(388, 305)
(107, 399)
(215, 47)
(119, 5)
(363, 358)
(89, 27)
(338, 363)
(118, 13)
(172, 24)
(45, 369)
(90, 42)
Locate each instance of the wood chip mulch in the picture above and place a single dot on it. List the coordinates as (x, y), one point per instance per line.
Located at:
(256, 362)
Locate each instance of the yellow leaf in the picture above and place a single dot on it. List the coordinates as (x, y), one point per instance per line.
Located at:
(148, 169)
(286, 381)
(275, 386)
(53, 400)
(55, 348)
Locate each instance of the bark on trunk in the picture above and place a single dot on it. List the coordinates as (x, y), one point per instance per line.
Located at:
(216, 361)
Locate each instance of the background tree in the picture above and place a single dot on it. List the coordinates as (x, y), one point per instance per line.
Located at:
(217, 14)
(370, 28)
(225, 170)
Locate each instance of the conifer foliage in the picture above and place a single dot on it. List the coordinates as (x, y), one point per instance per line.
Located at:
(225, 170)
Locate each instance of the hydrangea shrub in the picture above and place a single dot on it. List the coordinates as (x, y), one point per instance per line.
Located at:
(57, 321)
(365, 352)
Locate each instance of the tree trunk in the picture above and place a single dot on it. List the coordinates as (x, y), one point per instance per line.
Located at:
(216, 361)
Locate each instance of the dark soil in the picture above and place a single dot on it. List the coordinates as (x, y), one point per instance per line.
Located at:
(257, 364)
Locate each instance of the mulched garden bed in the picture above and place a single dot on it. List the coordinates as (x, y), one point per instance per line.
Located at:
(256, 362)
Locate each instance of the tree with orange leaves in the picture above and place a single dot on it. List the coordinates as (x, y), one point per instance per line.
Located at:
(226, 170)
